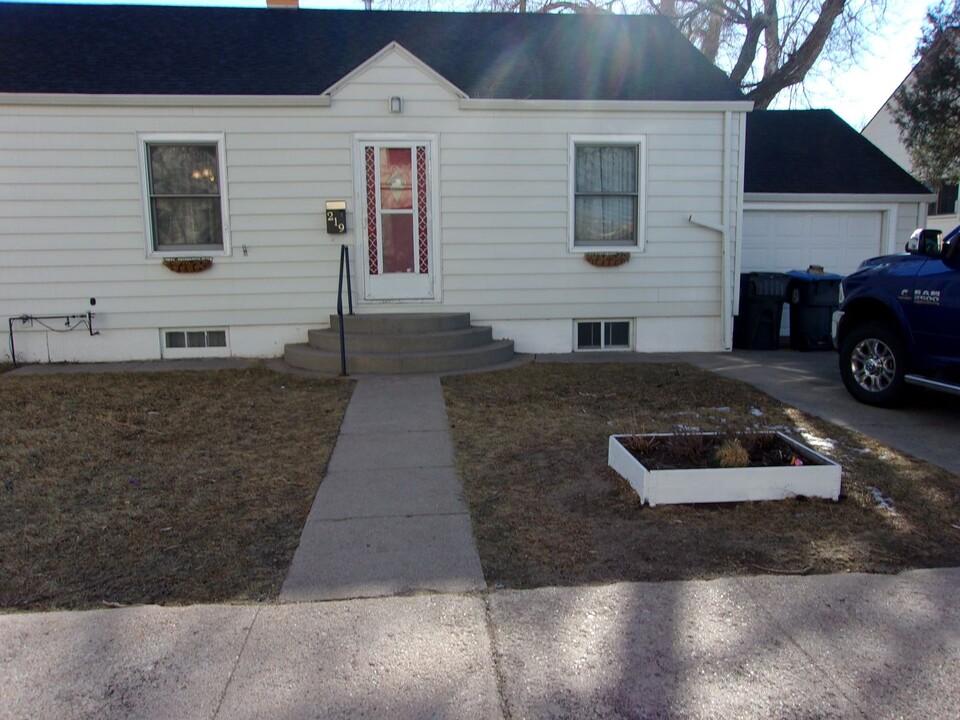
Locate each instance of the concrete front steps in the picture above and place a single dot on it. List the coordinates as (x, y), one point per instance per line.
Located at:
(393, 344)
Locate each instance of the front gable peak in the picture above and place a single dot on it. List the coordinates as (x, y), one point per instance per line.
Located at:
(391, 50)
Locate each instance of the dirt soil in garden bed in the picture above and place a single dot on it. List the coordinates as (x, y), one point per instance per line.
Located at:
(699, 451)
(531, 449)
(167, 487)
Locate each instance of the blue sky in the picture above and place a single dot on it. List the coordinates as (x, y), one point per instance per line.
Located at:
(853, 93)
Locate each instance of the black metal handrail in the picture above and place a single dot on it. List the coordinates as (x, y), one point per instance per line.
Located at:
(344, 264)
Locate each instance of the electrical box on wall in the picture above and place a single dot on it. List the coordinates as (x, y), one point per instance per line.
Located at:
(336, 211)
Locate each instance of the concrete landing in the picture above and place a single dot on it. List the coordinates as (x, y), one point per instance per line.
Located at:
(389, 517)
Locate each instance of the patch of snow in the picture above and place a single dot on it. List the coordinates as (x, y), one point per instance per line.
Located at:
(818, 443)
(883, 501)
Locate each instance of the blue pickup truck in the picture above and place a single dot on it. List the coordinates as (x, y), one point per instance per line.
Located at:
(899, 321)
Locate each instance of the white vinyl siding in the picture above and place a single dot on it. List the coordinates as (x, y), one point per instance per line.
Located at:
(73, 225)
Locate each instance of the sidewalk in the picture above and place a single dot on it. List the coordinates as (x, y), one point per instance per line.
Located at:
(847, 646)
(385, 614)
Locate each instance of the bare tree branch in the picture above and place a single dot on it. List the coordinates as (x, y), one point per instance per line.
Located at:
(799, 63)
(771, 38)
(748, 52)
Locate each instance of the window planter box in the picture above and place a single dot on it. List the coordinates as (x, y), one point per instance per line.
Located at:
(818, 476)
(187, 265)
(606, 259)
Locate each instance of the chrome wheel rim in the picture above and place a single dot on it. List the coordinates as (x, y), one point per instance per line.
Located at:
(873, 364)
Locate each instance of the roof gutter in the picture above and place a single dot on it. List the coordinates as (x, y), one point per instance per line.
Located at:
(605, 105)
(92, 100)
(758, 201)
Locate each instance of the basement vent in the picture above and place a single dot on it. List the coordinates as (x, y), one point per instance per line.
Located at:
(195, 343)
(603, 335)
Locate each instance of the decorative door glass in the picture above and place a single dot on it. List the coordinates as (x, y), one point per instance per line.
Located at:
(396, 210)
(397, 219)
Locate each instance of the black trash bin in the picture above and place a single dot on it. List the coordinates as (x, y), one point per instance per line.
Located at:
(762, 295)
(813, 297)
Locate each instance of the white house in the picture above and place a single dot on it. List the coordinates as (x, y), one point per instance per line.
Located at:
(481, 159)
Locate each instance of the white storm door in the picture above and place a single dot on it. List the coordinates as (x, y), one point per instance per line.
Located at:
(398, 237)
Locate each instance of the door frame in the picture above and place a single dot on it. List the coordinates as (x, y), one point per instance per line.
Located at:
(432, 141)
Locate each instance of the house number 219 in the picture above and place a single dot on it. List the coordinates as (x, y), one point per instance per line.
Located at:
(336, 218)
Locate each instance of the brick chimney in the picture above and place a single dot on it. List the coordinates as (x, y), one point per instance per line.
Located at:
(283, 3)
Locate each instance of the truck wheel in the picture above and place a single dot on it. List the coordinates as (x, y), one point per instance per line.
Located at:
(872, 364)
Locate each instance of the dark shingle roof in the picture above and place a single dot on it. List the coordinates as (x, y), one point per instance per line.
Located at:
(231, 51)
(815, 151)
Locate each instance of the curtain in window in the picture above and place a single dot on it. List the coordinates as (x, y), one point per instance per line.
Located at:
(185, 195)
(606, 185)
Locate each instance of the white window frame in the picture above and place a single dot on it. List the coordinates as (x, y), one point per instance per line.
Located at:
(144, 140)
(638, 141)
(603, 321)
(194, 352)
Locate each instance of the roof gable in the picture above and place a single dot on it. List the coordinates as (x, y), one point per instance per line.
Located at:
(816, 152)
(143, 50)
(396, 48)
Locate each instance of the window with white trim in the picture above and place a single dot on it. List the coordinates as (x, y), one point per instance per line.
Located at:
(603, 335)
(184, 194)
(194, 338)
(194, 342)
(606, 179)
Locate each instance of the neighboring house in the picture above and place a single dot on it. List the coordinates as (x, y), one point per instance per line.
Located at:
(816, 192)
(943, 212)
(480, 157)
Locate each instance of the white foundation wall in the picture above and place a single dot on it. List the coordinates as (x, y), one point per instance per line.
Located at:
(35, 344)
(72, 225)
(649, 335)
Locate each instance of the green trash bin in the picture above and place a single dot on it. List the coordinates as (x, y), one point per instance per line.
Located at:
(813, 297)
(762, 295)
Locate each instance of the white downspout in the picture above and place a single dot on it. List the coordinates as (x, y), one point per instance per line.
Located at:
(727, 296)
(738, 238)
(726, 320)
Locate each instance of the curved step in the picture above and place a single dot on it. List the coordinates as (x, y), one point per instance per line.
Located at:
(400, 323)
(309, 358)
(461, 339)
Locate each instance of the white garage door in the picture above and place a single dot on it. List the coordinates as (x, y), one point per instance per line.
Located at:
(780, 240)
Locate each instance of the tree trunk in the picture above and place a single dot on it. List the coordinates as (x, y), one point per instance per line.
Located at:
(771, 38)
(748, 51)
(796, 67)
(711, 37)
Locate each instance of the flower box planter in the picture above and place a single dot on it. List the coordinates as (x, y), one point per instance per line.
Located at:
(818, 476)
(187, 264)
(607, 259)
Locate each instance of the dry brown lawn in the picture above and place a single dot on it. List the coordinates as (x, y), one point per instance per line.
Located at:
(531, 449)
(169, 487)
(186, 487)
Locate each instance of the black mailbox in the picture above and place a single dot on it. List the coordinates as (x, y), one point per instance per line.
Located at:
(336, 217)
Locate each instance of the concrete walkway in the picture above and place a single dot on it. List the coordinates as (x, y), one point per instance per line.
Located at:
(389, 517)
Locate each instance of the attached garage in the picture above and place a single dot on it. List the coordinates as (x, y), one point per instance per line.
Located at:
(787, 238)
(816, 192)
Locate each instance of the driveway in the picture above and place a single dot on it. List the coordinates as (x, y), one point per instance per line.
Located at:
(927, 428)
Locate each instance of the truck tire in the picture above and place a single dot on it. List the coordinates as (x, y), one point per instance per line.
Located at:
(873, 363)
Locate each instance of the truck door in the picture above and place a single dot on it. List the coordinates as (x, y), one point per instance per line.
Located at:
(935, 312)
